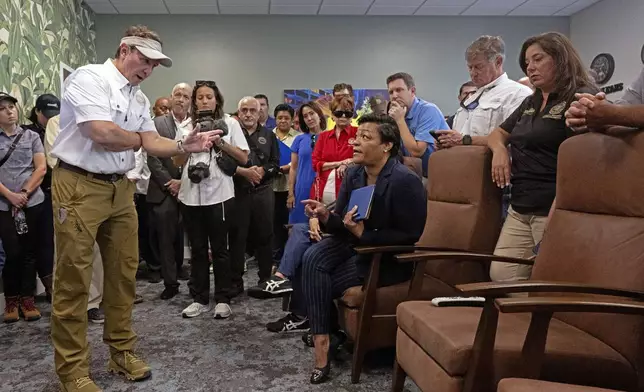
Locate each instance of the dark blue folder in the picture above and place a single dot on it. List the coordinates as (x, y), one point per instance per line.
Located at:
(285, 153)
(362, 197)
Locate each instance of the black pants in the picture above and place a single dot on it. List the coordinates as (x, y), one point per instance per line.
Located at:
(206, 224)
(253, 223)
(166, 238)
(145, 250)
(328, 270)
(19, 273)
(280, 233)
(45, 228)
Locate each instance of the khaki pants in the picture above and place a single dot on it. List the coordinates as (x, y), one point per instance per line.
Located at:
(96, 285)
(519, 235)
(89, 211)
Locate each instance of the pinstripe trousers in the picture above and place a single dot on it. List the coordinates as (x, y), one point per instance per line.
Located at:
(328, 269)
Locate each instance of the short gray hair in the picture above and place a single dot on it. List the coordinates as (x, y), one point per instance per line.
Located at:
(248, 99)
(491, 47)
(183, 86)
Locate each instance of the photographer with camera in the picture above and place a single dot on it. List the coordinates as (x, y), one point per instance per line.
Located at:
(254, 198)
(206, 195)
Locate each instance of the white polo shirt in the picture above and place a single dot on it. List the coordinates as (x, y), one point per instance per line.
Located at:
(497, 101)
(219, 187)
(99, 92)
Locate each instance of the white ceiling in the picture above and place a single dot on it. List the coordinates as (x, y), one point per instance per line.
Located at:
(344, 7)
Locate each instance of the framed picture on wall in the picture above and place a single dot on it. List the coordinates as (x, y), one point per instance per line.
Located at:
(65, 71)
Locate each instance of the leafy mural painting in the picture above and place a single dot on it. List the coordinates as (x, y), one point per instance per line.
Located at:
(35, 37)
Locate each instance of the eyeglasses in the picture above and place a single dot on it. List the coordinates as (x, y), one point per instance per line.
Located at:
(343, 113)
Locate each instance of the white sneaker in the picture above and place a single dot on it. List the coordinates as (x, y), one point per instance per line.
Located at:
(222, 311)
(194, 310)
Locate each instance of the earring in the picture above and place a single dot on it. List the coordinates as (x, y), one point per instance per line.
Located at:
(385, 150)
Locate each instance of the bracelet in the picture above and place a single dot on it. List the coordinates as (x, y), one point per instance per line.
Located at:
(180, 146)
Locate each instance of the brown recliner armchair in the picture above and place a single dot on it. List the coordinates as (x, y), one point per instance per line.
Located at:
(524, 385)
(463, 213)
(593, 251)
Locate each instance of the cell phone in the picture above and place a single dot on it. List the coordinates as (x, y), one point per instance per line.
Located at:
(434, 134)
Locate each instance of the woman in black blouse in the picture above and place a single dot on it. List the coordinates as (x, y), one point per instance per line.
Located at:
(535, 131)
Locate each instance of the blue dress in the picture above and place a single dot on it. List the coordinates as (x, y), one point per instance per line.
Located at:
(304, 178)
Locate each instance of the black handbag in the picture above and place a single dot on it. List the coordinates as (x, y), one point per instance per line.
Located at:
(226, 163)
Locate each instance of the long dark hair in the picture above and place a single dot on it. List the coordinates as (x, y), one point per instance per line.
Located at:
(571, 73)
(219, 109)
(317, 109)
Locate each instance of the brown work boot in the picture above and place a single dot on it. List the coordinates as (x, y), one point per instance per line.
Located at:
(130, 365)
(47, 282)
(83, 384)
(11, 310)
(28, 309)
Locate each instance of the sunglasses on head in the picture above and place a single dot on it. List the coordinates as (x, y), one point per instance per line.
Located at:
(343, 113)
(208, 83)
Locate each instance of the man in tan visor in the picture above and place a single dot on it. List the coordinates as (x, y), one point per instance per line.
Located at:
(104, 119)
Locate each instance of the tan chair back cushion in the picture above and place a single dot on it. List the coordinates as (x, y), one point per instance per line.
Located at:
(596, 234)
(463, 210)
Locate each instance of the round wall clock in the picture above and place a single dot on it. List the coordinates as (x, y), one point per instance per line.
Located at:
(604, 66)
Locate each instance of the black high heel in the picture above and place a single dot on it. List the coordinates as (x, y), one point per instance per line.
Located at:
(320, 375)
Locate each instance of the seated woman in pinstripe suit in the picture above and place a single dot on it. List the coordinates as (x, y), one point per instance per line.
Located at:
(398, 214)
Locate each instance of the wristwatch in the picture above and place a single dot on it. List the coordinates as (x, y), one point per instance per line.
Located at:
(467, 140)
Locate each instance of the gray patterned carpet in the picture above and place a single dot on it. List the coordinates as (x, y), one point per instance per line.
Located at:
(201, 354)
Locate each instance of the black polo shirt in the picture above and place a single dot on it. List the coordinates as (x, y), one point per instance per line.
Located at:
(535, 138)
(264, 152)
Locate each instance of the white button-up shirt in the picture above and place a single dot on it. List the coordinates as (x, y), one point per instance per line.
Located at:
(218, 187)
(497, 101)
(183, 127)
(99, 92)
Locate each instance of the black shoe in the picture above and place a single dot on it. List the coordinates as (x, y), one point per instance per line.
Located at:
(320, 375)
(154, 277)
(169, 292)
(95, 316)
(271, 288)
(289, 323)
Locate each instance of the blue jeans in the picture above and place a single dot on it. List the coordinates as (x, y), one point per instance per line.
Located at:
(298, 242)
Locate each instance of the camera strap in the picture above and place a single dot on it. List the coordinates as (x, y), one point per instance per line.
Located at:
(13, 146)
(253, 146)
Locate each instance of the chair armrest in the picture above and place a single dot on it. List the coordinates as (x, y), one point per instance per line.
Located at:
(569, 304)
(458, 256)
(365, 250)
(494, 290)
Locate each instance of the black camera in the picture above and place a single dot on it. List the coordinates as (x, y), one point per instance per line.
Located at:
(207, 122)
(198, 172)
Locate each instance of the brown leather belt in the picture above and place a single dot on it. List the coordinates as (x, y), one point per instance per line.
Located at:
(98, 176)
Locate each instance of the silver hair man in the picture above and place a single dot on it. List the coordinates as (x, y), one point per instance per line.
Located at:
(491, 47)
